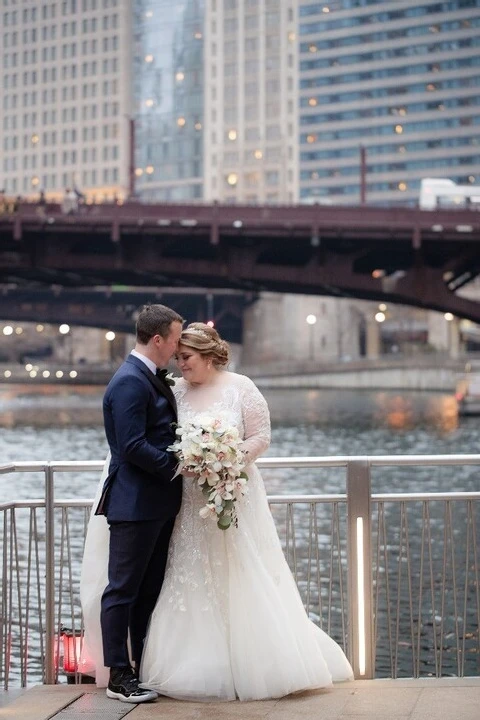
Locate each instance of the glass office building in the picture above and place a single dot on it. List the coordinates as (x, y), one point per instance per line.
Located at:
(168, 86)
(400, 78)
(215, 87)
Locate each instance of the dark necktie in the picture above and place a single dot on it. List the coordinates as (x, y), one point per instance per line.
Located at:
(162, 374)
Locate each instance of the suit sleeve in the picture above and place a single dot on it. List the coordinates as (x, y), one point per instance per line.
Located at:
(128, 405)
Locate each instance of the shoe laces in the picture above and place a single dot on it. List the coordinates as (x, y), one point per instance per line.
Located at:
(128, 680)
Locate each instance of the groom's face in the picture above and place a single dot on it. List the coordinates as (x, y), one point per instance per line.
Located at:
(165, 347)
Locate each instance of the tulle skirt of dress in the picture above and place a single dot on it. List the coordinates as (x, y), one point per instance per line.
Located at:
(93, 581)
(229, 622)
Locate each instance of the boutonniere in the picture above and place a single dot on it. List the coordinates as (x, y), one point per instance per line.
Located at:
(166, 377)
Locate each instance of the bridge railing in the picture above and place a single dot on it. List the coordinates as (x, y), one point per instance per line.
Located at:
(394, 578)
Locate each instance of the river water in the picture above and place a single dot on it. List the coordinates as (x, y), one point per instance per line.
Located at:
(50, 423)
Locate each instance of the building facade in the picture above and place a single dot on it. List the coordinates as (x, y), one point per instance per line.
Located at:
(190, 100)
(65, 94)
(216, 88)
(169, 88)
(251, 90)
(400, 78)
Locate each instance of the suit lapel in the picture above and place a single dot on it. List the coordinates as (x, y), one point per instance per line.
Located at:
(162, 387)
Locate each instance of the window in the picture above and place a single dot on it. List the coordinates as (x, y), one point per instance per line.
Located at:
(272, 177)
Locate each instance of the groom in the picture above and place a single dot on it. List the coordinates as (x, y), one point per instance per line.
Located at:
(139, 498)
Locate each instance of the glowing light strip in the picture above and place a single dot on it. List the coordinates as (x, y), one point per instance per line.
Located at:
(361, 598)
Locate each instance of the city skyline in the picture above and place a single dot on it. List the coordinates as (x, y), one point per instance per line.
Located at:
(241, 102)
(398, 80)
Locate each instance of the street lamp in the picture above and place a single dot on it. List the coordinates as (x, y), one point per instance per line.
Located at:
(110, 337)
(67, 344)
(311, 320)
(452, 334)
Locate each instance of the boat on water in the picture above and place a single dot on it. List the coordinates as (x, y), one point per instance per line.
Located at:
(468, 392)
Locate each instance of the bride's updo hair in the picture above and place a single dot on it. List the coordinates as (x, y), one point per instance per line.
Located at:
(205, 340)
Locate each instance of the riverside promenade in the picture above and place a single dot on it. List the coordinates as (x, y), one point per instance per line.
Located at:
(433, 638)
(435, 372)
(420, 699)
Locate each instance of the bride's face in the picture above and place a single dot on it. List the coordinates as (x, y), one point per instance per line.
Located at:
(194, 367)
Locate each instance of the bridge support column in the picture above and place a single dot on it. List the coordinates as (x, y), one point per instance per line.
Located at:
(443, 334)
(373, 339)
(454, 338)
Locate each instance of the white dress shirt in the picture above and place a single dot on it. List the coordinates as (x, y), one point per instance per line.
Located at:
(149, 363)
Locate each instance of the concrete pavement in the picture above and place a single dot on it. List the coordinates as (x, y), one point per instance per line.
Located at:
(423, 699)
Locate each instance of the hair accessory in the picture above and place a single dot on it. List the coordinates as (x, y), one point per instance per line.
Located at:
(197, 331)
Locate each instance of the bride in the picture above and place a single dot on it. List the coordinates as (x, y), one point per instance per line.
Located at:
(229, 622)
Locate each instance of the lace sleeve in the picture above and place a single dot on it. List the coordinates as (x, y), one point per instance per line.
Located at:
(179, 389)
(256, 421)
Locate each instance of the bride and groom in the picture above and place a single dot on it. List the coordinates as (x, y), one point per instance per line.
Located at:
(203, 614)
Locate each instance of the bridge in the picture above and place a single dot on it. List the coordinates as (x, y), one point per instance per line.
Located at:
(397, 255)
(115, 308)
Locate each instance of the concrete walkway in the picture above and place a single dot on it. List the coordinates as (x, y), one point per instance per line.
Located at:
(445, 699)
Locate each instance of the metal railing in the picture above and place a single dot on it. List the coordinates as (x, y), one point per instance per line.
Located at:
(394, 578)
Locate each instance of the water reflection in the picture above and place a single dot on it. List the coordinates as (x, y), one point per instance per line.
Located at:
(399, 411)
(367, 409)
(50, 406)
(446, 416)
(404, 411)
(66, 423)
(50, 417)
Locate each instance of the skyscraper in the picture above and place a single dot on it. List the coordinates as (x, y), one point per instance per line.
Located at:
(216, 100)
(169, 89)
(251, 135)
(401, 78)
(65, 94)
(204, 91)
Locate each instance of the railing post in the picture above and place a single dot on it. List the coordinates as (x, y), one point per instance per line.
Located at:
(49, 576)
(360, 578)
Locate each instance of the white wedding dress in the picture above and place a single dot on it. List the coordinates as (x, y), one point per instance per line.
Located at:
(229, 622)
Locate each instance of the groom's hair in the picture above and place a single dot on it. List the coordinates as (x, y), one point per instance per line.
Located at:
(155, 320)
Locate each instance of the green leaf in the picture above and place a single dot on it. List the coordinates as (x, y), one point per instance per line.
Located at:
(224, 522)
(243, 475)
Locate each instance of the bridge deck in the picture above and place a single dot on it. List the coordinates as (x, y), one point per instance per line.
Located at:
(424, 699)
(393, 255)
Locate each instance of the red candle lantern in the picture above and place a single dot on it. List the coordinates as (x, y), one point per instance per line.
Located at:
(71, 642)
(74, 668)
(71, 650)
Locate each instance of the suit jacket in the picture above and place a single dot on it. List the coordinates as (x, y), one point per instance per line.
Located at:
(138, 411)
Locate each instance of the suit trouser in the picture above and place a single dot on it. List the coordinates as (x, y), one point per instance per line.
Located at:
(136, 568)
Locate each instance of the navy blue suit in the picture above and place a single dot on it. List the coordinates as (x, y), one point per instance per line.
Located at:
(140, 500)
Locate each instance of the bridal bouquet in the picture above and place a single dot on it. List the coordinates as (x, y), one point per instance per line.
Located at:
(210, 449)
